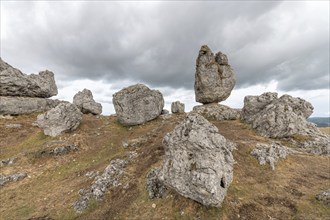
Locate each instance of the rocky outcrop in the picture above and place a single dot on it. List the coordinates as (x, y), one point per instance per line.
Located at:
(198, 161)
(218, 112)
(277, 117)
(285, 117)
(177, 107)
(270, 153)
(315, 142)
(155, 187)
(110, 178)
(25, 105)
(4, 179)
(324, 196)
(8, 161)
(63, 118)
(14, 83)
(56, 148)
(137, 104)
(85, 102)
(214, 78)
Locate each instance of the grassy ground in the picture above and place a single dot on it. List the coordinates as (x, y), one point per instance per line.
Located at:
(53, 183)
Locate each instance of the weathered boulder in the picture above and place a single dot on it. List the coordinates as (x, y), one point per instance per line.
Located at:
(137, 104)
(218, 112)
(85, 102)
(177, 107)
(253, 105)
(14, 83)
(270, 153)
(285, 117)
(277, 117)
(25, 105)
(214, 78)
(198, 161)
(63, 118)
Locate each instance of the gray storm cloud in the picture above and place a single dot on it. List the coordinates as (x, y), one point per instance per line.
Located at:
(158, 42)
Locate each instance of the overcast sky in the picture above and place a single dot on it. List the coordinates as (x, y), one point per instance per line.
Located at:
(107, 45)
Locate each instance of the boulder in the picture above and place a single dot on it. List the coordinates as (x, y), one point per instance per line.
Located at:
(85, 102)
(277, 117)
(25, 105)
(218, 112)
(177, 107)
(63, 118)
(270, 153)
(198, 161)
(137, 104)
(214, 78)
(14, 83)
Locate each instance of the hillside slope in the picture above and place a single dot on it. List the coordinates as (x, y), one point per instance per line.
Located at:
(53, 182)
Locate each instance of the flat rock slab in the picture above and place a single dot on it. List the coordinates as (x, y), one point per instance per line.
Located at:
(218, 112)
(25, 105)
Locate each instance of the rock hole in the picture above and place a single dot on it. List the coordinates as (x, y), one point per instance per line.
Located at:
(222, 183)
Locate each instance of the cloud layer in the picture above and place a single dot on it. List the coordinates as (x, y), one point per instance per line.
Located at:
(118, 43)
(157, 42)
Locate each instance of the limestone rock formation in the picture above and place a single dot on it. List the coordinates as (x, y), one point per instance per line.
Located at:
(137, 104)
(14, 83)
(218, 112)
(270, 153)
(11, 178)
(155, 188)
(25, 105)
(324, 196)
(214, 78)
(85, 102)
(285, 117)
(198, 161)
(110, 178)
(177, 107)
(63, 118)
(277, 117)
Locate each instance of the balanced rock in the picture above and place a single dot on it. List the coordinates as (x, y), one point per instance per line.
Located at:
(25, 105)
(198, 161)
(277, 117)
(214, 78)
(85, 102)
(177, 107)
(137, 104)
(63, 118)
(218, 112)
(14, 83)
